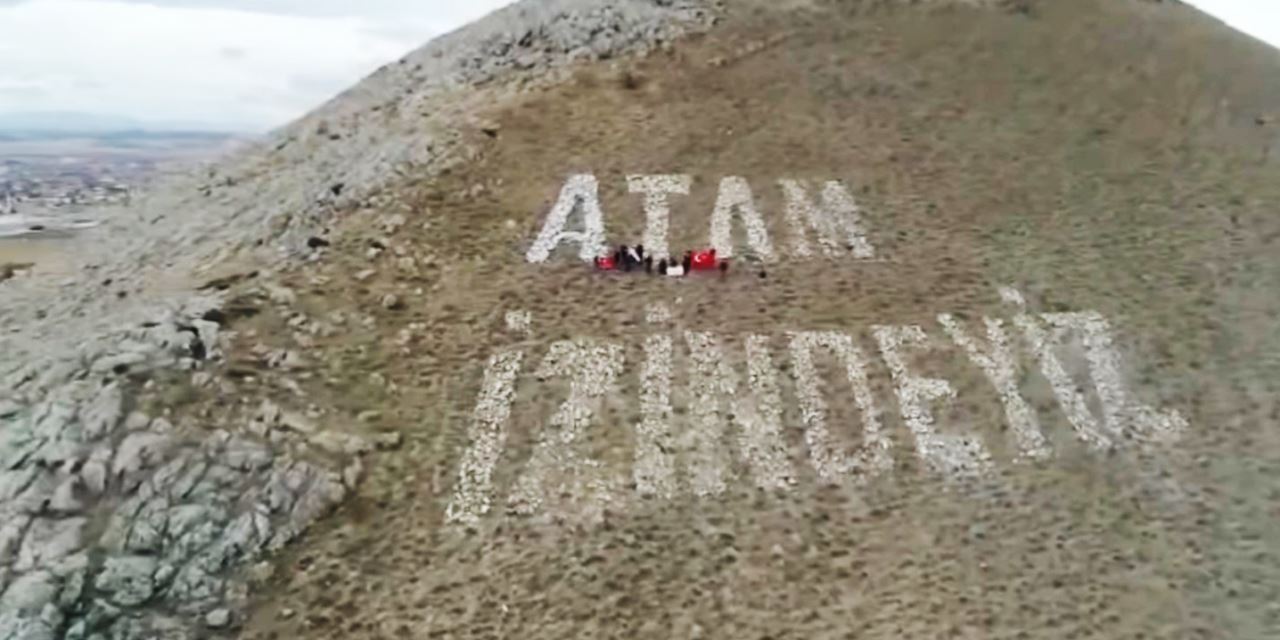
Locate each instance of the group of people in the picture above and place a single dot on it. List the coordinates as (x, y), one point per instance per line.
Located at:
(629, 258)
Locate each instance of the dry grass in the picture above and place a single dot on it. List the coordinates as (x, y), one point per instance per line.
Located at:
(1096, 155)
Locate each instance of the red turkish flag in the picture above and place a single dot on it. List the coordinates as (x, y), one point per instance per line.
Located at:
(704, 260)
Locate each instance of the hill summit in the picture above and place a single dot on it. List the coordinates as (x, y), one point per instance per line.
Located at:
(986, 348)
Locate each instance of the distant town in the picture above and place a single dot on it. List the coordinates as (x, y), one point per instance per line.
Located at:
(52, 173)
(57, 184)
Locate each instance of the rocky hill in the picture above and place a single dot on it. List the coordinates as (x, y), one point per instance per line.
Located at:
(993, 356)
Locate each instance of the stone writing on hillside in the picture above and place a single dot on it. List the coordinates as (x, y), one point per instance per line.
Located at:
(826, 216)
(687, 455)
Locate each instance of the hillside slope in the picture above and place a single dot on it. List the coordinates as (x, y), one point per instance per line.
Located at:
(994, 355)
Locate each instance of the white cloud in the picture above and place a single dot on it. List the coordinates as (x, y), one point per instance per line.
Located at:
(232, 64)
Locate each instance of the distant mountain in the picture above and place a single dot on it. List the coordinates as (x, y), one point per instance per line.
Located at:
(64, 121)
(55, 124)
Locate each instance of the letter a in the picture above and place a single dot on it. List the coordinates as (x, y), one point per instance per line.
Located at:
(580, 192)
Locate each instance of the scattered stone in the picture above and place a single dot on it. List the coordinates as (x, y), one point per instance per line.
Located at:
(392, 223)
(389, 441)
(392, 302)
(247, 456)
(261, 573)
(293, 361)
(341, 443)
(351, 474)
(281, 295)
(11, 269)
(226, 282)
(369, 416)
(218, 619)
(365, 275)
(297, 422)
(137, 421)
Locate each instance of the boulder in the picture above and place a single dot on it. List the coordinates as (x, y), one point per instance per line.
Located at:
(139, 451)
(49, 540)
(128, 581)
(218, 619)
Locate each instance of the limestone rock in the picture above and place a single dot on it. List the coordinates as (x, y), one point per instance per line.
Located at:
(12, 530)
(352, 473)
(129, 580)
(389, 441)
(246, 456)
(138, 451)
(30, 593)
(281, 295)
(64, 499)
(102, 415)
(49, 540)
(218, 619)
(341, 443)
(295, 421)
(93, 475)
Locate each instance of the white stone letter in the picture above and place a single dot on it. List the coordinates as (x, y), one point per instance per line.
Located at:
(1064, 388)
(657, 211)
(654, 472)
(875, 456)
(837, 221)
(704, 440)
(579, 192)
(759, 415)
(997, 362)
(1124, 416)
(946, 454)
(558, 468)
(488, 435)
(735, 195)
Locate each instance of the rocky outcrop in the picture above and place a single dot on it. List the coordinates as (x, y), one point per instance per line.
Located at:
(118, 524)
(122, 524)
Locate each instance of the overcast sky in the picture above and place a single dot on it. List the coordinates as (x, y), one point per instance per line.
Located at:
(234, 64)
(252, 65)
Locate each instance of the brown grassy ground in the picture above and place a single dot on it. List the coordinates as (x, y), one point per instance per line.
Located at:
(1113, 156)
